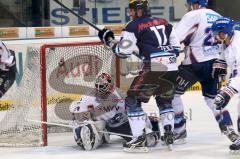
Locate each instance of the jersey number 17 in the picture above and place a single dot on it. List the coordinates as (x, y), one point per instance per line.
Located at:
(159, 31)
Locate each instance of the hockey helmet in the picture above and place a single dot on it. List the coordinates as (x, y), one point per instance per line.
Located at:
(203, 3)
(104, 83)
(225, 25)
(139, 4)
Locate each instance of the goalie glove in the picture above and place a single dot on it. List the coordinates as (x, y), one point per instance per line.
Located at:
(106, 36)
(223, 97)
(219, 69)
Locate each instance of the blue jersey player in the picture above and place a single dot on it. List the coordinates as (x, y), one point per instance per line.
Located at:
(156, 43)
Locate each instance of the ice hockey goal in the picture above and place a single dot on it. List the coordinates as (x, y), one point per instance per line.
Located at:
(54, 76)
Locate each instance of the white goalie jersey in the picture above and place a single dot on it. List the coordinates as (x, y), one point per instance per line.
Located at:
(100, 107)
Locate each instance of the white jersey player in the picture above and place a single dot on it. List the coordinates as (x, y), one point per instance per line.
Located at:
(223, 30)
(201, 54)
(7, 68)
(106, 107)
(194, 30)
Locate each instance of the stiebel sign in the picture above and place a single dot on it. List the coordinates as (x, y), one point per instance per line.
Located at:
(111, 11)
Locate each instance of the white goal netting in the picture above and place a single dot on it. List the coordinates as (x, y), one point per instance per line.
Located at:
(70, 71)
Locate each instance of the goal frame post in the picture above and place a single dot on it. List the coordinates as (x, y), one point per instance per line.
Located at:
(43, 77)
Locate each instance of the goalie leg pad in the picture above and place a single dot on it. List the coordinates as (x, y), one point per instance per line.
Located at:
(87, 136)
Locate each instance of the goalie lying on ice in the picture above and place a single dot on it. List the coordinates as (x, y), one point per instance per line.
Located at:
(106, 107)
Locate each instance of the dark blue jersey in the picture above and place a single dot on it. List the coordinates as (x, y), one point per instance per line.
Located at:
(152, 39)
(153, 35)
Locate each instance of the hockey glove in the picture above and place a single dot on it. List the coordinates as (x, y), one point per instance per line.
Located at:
(219, 69)
(106, 36)
(223, 97)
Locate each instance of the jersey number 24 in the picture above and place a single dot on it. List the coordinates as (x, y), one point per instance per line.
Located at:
(209, 40)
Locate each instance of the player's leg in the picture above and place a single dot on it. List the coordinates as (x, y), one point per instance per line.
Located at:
(136, 115)
(186, 78)
(209, 89)
(119, 124)
(238, 121)
(164, 97)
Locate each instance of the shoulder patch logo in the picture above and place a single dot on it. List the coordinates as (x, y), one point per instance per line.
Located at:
(211, 18)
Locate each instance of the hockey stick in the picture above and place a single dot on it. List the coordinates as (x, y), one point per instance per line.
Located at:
(219, 85)
(71, 126)
(51, 123)
(74, 13)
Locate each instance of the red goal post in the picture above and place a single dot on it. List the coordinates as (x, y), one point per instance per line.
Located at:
(44, 51)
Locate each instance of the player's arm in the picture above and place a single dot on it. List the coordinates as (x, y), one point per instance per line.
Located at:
(186, 27)
(232, 87)
(85, 104)
(174, 41)
(127, 44)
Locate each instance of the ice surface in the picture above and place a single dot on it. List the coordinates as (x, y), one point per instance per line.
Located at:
(204, 140)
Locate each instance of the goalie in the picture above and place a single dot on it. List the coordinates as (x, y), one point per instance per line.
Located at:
(7, 68)
(106, 107)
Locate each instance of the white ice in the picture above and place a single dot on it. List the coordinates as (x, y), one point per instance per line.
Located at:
(204, 140)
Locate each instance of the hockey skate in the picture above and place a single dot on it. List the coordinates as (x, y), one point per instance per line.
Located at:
(229, 132)
(152, 139)
(235, 146)
(137, 144)
(180, 138)
(168, 136)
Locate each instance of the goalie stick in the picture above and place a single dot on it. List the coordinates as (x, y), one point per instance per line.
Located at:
(105, 132)
(71, 126)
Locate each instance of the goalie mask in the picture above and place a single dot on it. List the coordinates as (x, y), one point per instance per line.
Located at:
(103, 83)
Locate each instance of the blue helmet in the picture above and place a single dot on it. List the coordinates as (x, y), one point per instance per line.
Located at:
(223, 24)
(203, 3)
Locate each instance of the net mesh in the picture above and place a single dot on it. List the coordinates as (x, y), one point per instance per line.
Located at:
(71, 70)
